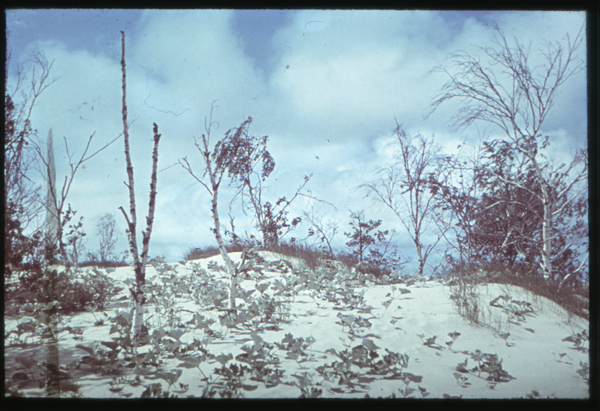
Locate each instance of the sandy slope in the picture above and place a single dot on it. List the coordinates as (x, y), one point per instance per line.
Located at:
(530, 355)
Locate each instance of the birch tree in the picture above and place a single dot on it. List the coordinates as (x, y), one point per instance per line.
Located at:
(227, 156)
(404, 189)
(517, 97)
(139, 259)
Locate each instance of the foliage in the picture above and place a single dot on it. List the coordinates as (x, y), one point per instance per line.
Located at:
(76, 291)
(22, 200)
(21, 252)
(486, 363)
(360, 237)
(366, 257)
(75, 243)
(540, 206)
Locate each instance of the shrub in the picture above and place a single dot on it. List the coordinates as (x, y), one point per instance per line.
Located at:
(75, 291)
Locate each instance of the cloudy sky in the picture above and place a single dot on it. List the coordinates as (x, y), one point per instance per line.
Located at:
(325, 86)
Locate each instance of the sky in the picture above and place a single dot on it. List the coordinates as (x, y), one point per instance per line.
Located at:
(326, 87)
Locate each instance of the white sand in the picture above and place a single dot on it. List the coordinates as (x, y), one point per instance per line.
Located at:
(531, 355)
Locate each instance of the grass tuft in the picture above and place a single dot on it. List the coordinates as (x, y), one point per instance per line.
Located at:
(311, 255)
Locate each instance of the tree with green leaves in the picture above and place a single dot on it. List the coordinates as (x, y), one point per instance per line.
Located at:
(231, 156)
(253, 166)
(361, 238)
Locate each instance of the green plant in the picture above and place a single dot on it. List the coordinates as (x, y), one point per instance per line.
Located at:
(487, 363)
(454, 335)
(97, 322)
(230, 378)
(354, 323)
(101, 360)
(304, 382)
(580, 339)
(460, 380)
(77, 290)
(295, 348)
(261, 360)
(406, 391)
(365, 356)
(34, 371)
(155, 391)
(206, 291)
(584, 371)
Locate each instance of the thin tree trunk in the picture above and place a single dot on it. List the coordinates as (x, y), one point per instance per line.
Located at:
(223, 251)
(546, 222)
(53, 226)
(217, 230)
(547, 240)
(50, 336)
(52, 237)
(138, 292)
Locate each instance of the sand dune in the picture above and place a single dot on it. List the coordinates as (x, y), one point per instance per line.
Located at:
(533, 355)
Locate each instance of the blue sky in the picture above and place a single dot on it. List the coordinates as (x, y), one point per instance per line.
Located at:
(325, 86)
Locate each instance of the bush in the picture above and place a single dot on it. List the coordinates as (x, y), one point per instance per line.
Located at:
(76, 291)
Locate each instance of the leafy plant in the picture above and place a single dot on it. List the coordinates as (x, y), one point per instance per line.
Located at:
(454, 335)
(487, 363)
(584, 371)
(261, 360)
(579, 339)
(295, 348)
(155, 391)
(100, 360)
(354, 323)
(77, 290)
(304, 382)
(364, 356)
(231, 378)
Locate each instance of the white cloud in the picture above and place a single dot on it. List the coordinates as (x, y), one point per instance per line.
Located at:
(339, 78)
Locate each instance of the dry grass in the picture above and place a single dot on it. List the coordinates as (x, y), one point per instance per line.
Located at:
(472, 298)
(311, 255)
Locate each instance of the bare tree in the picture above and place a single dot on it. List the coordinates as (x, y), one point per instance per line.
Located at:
(325, 231)
(457, 199)
(404, 188)
(56, 201)
(139, 260)
(517, 98)
(106, 228)
(22, 200)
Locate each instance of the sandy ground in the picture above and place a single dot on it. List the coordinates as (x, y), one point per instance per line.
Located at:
(534, 354)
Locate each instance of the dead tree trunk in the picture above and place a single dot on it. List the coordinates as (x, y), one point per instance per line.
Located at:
(53, 227)
(139, 260)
